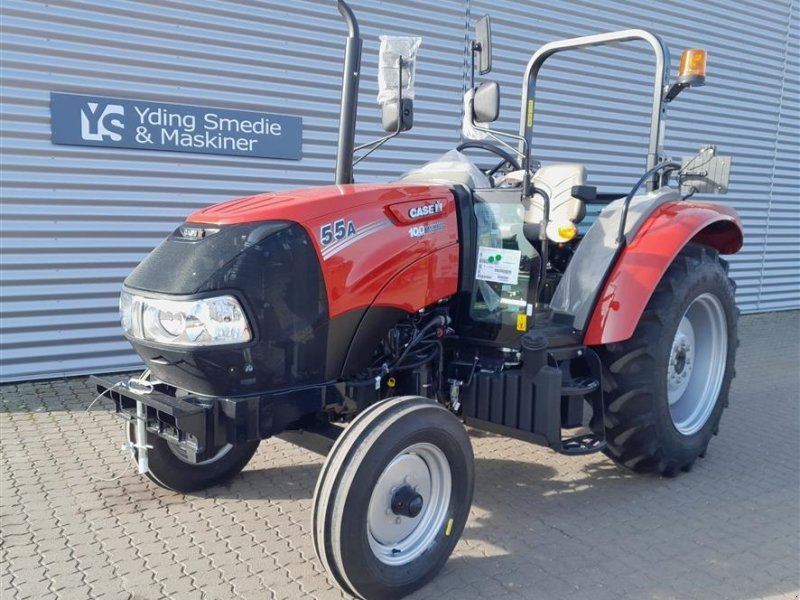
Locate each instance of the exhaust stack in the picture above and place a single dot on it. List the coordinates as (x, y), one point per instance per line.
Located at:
(350, 81)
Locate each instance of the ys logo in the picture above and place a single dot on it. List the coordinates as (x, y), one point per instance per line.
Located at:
(101, 122)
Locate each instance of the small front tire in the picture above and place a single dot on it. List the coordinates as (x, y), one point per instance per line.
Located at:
(393, 498)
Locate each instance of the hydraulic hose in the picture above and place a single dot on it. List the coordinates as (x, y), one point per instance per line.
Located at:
(671, 164)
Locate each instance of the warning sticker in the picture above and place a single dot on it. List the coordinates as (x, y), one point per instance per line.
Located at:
(498, 265)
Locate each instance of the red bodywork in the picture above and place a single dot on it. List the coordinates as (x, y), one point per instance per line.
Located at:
(393, 259)
(646, 258)
(390, 259)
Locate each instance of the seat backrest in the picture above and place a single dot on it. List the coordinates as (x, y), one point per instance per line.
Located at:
(557, 181)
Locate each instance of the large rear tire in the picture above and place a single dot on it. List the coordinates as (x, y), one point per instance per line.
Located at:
(393, 497)
(171, 468)
(666, 386)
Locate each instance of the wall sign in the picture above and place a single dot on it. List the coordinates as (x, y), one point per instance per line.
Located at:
(143, 125)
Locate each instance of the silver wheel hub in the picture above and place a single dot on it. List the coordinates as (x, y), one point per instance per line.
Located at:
(697, 363)
(681, 360)
(422, 470)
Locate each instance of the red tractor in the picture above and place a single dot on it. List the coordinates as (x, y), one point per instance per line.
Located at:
(372, 322)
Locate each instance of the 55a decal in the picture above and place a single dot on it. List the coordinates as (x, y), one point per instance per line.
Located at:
(338, 230)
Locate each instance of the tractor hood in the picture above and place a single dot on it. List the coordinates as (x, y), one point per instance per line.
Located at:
(304, 266)
(308, 204)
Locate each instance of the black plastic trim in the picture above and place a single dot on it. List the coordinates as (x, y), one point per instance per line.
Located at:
(371, 330)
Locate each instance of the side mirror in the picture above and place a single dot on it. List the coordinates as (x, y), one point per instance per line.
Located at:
(397, 116)
(396, 74)
(483, 44)
(486, 102)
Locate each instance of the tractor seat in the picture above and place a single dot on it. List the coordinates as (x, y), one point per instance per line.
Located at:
(557, 181)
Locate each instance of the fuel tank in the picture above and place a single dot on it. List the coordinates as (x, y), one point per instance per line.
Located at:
(313, 269)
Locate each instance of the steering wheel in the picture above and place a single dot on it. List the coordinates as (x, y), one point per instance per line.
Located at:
(508, 158)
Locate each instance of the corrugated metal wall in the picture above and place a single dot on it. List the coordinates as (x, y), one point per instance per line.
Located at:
(75, 220)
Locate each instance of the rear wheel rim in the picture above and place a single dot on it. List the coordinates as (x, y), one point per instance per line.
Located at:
(697, 363)
(397, 540)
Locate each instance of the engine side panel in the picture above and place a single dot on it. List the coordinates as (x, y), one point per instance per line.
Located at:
(646, 258)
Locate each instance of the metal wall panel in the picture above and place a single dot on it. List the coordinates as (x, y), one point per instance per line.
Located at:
(779, 281)
(75, 220)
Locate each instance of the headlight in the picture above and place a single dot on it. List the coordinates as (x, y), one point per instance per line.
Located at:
(205, 322)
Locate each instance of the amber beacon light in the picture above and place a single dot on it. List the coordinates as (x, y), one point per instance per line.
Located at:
(692, 69)
(691, 72)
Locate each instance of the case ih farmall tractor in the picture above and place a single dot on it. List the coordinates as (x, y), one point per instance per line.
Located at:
(373, 321)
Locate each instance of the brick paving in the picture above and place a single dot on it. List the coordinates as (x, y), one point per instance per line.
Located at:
(542, 525)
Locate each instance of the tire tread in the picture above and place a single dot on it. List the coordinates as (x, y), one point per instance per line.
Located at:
(628, 375)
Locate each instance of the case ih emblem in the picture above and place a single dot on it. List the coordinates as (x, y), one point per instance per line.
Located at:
(426, 210)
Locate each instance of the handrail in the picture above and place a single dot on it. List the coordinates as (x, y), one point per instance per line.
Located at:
(654, 150)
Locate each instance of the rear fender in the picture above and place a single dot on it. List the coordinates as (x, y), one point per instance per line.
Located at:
(645, 259)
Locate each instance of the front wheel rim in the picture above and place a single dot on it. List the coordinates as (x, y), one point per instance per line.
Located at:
(697, 364)
(397, 540)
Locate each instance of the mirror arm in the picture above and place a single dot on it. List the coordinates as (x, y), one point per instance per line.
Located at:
(375, 144)
(476, 47)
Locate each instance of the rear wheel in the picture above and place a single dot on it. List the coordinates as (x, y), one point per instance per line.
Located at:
(666, 387)
(171, 468)
(393, 497)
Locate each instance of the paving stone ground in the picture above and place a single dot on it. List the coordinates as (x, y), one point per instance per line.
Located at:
(542, 526)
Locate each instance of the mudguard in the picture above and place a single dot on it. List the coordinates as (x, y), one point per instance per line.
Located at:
(645, 259)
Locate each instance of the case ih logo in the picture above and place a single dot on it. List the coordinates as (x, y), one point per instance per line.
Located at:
(98, 124)
(425, 210)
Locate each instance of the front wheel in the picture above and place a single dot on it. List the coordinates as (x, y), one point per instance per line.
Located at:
(171, 468)
(666, 386)
(393, 497)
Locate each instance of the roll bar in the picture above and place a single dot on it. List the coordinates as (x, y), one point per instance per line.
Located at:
(350, 80)
(654, 149)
